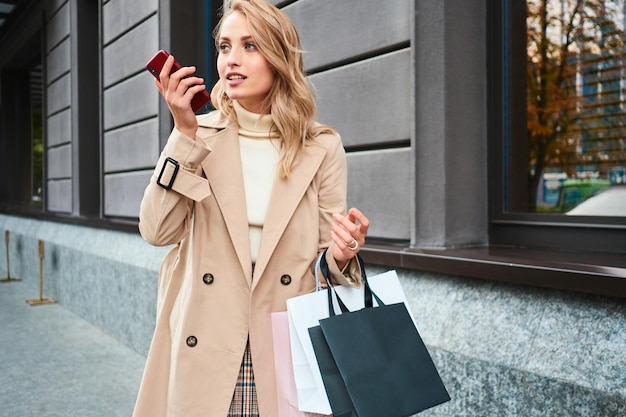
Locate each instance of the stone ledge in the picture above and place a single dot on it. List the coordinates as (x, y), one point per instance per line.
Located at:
(591, 273)
(480, 388)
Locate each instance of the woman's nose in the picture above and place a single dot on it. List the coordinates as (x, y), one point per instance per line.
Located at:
(234, 57)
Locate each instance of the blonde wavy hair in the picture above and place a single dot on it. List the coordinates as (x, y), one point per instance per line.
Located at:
(290, 101)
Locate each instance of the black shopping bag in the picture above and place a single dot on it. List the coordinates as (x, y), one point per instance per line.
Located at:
(338, 396)
(384, 365)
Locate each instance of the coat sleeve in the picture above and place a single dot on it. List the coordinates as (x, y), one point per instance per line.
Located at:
(177, 182)
(333, 199)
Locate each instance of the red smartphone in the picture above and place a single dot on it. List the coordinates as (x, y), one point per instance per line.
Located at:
(155, 65)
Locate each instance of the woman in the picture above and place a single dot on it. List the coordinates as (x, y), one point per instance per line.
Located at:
(250, 194)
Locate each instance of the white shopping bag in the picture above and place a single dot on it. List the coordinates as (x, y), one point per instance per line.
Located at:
(305, 311)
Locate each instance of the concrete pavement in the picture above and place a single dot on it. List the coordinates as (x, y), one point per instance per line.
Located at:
(55, 364)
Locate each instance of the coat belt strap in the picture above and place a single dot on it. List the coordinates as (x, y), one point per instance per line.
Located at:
(172, 177)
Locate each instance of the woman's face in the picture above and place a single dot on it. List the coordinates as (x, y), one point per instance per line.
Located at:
(245, 73)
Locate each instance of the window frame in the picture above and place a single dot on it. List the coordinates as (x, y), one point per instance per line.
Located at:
(505, 107)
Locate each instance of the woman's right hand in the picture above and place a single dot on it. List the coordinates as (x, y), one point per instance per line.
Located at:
(178, 89)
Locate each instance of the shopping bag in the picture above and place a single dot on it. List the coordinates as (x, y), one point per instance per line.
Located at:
(303, 312)
(338, 396)
(285, 384)
(384, 365)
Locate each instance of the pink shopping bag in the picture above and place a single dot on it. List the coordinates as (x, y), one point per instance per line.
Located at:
(285, 383)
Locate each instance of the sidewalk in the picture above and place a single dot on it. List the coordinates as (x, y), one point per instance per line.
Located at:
(55, 364)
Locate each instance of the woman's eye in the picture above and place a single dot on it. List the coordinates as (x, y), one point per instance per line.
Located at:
(250, 46)
(224, 47)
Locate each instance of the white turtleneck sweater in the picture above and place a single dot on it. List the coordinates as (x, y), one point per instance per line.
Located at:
(259, 145)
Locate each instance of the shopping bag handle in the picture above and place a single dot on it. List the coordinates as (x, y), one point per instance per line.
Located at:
(322, 265)
(318, 285)
(368, 293)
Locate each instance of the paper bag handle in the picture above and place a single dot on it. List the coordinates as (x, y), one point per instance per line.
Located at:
(368, 293)
(318, 285)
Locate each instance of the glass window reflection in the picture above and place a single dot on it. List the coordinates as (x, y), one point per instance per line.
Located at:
(575, 104)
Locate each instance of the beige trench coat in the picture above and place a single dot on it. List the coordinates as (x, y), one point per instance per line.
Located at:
(209, 299)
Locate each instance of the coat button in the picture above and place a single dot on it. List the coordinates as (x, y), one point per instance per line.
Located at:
(192, 341)
(285, 280)
(207, 279)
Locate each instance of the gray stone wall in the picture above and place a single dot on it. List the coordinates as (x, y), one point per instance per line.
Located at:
(130, 105)
(363, 79)
(502, 350)
(58, 83)
(130, 36)
(359, 56)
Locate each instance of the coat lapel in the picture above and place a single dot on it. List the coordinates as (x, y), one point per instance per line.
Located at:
(223, 170)
(286, 195)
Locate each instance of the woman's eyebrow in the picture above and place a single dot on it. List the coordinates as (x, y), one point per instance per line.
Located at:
(243, 38)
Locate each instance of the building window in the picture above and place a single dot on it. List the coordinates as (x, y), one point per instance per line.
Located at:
(576, 120)
(558, 119)
(21, 129)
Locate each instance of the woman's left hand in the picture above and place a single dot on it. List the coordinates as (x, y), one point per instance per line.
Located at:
(348, 234)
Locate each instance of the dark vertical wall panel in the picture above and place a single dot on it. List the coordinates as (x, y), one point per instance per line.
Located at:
(85, 109)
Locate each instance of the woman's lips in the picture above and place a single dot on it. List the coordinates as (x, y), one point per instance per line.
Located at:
(235, 79)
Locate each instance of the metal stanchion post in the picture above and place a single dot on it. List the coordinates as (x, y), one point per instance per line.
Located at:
(41, 300)
(8, 278)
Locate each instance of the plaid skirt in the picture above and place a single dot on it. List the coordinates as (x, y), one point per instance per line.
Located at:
(244, 402)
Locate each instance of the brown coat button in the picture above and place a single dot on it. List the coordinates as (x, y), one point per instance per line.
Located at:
(192, 341)
(207, 279)
(285, 280)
